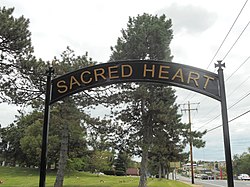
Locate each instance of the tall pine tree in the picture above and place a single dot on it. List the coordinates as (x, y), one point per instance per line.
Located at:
(149, 121)
(146, 37)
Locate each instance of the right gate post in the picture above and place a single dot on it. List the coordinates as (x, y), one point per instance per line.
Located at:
(229, 167)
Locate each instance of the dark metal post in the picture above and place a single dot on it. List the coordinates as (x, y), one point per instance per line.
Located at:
(230, 181)
(43, 163)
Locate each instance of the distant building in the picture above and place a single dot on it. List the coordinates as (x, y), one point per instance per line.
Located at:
(132, 171)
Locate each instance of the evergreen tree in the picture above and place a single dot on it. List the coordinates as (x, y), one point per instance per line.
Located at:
(71, 109)
(121, 163)
(150, 123)
(146, 37)
(22, 76)
(20, 73)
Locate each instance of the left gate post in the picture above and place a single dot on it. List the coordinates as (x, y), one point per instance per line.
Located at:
(43, 163)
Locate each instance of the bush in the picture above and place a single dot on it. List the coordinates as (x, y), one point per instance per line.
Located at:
(119, 173)
(75, 164)
(109, 172)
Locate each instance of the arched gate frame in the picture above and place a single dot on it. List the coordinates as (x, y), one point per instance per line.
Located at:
(180, 75)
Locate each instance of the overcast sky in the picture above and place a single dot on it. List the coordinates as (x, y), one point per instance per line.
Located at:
(199, 29)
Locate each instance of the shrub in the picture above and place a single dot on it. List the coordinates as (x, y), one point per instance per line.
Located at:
(120, 173)
(109, 172)
(75, 164)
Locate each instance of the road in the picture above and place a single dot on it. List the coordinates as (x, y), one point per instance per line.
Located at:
(216, 183)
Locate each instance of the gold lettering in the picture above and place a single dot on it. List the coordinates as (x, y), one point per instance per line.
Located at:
(82, 77)
(111, 72)
(73, 81)
(163, 72)
(62, 84)
(178, 74)
(123, 71)
(193, 78)
(149, 70)
(207, 80)
(101, 74)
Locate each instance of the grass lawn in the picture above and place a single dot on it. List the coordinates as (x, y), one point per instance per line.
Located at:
(24, 177)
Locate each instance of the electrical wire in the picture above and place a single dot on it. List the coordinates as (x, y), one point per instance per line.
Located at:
(245, 96)
(236, 41)
(209, 121)
(227, 33)
(225, 40)
(227, 109)
(238, 68)
(230, 94)
(238, 86)
(230, 120)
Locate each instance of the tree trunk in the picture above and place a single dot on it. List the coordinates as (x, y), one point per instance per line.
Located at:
(163, 171)
(147, 136)
(159, 171)
(63, 157)
(143, 168)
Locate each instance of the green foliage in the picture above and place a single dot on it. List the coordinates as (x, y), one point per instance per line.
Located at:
(31, 143)
(146, 36)
(120, 173)
(98, 129)
(11, 135)
(22, 140)
(75, 164)
(150, 125)
(102, 160)
(98, 161)
(10, 145)
(109, 172)
(121, 163)
(15, 51)
(241, 163)
(14, 34)
(148, 108)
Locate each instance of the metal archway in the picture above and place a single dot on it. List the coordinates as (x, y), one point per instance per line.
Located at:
(180, 75)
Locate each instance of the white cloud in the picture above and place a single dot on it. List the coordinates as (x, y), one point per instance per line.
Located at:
(189, 18)
(7, 114)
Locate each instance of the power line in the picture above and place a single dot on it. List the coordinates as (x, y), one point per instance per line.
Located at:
(209, 121)
(186, 97)
(230, 120)
(223, 42)
(239, 100)
(238, 68)
(228, 52)
(236, 41)
(230, 93)
(227, 33)
(227, 109)
(239, 86)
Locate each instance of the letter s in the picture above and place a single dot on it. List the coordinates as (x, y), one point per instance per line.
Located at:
(62, 87)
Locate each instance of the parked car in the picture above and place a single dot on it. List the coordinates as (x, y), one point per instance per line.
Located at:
(204, 177)
(243, 177)
(198, 176)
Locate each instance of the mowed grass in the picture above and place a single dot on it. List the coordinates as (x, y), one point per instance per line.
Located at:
(25, 177)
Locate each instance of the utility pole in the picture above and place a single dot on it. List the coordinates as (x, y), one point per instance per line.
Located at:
(191, 138)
